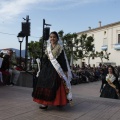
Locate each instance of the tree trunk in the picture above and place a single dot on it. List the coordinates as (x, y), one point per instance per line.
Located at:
(80, 63)
(71, 60)
(102, 60)
(88, 60)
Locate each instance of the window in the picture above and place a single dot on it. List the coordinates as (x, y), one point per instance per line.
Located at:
(118, 38)
(105, 41)
(104, 32)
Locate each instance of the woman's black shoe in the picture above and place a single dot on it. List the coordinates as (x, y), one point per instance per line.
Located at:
(59, 106)
(42, 107)
(12, 84)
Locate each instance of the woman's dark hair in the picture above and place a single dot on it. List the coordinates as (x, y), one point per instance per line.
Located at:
(1, 54)
(113, 70)
(55, 33)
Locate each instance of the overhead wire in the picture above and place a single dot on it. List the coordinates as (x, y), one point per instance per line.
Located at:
(15, 34)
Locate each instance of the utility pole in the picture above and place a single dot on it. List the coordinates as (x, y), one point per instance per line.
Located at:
(46, 31)
(26, 31)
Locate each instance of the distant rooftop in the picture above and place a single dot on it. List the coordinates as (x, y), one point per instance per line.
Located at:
(100, 27)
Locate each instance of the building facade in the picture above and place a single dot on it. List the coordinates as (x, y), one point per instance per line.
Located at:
(106, 37)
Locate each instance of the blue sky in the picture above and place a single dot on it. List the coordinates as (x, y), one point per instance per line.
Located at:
(67, 15)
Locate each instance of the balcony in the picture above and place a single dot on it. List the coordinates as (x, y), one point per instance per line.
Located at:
(104, 47)
(117, 46)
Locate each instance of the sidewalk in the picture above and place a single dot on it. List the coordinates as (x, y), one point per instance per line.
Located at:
(16, 104)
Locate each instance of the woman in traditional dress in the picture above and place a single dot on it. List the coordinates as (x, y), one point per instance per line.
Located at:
(112, 87)
(53, 85)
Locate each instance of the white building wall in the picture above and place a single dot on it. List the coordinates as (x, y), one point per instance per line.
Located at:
(105, 36)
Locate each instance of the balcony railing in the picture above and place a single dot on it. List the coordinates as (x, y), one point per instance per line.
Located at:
(104, 47)
(117, 46)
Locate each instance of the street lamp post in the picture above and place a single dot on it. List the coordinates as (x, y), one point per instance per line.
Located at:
(20, 39)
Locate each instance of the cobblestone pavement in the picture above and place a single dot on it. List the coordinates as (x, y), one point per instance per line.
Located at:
(16, 104)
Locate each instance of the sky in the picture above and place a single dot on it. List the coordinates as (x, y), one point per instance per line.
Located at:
(67, 15)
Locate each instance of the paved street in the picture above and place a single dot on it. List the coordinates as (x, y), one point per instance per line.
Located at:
(16, 104)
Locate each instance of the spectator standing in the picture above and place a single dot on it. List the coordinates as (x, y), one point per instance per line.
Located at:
(103, 79)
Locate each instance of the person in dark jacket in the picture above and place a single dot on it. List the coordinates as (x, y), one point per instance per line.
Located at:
(5, 70)
(103, 79)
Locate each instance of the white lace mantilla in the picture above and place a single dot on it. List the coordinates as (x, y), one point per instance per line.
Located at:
(110, 77)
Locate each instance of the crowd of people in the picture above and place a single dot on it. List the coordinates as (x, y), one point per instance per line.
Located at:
(86, 73)
(108, 75)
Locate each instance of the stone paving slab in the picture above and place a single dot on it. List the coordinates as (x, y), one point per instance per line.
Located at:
(16, 104)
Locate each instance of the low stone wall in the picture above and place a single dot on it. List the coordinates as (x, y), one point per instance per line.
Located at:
(25, 79)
